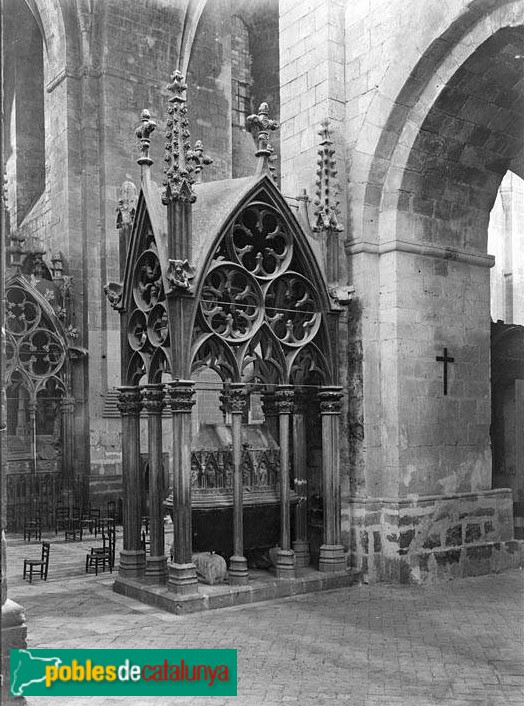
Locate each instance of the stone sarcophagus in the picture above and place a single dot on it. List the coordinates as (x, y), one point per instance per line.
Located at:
(212, 489)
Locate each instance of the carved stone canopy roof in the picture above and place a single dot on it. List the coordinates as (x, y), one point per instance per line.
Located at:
(215, 203)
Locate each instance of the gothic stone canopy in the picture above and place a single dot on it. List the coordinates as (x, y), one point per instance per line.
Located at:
(252, 303)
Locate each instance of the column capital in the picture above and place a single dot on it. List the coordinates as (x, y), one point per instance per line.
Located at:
(330, 399)
(180, 395)
(153, 399)
(284, 399)
(67, 404)
(234, 397)
(129, 401)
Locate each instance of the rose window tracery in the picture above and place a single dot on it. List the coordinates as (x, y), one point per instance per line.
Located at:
(232, 303)
(261, 242)
(292, 309)
(31, 344)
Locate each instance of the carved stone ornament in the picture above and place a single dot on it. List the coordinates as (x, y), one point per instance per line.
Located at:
(126, 204)
(129, 401)
(330, 399)
(200, 160)
(113, 292)
(180, 396)
(153, 399)
(179, 274)
(178, 184)
(284, 399)
(343, 295)
(143, 133)
(236, 398)
(260, 125)
(326, 203)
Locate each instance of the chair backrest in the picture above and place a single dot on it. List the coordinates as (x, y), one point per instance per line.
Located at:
(46, 546)
(111, 508)
(94, 513)
(62, 513)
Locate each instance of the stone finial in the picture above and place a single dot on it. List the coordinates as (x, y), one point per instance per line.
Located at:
(178, 184)
(326, 204)
(143, 133)
(200, 159)
(126, 204)
(260, 125)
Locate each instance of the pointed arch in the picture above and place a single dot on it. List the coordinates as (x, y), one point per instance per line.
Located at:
(213, 353)
(260, 290)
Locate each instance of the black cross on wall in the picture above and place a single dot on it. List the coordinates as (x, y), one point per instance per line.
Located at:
(445, 359)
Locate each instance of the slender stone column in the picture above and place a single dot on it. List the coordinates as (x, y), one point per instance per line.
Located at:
(156, 562)
(67, 407)
(236, 401)
(285, 566)
(301, 543)
(182, 572)
(332, 556)
(132, 556)
(32, 426)
(270, 412)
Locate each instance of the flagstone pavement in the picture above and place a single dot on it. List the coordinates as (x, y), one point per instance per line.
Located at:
(456, 643)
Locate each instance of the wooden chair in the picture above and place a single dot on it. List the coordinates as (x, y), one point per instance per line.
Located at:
(42, 563)
(100, 557)
(91, 520)
(73, 529)
(32, 526)
(61, 518)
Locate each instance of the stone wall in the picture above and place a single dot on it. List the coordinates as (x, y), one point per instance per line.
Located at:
(432, 538)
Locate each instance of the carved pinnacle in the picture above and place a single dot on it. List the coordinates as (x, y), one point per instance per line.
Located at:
(326, 203)
(178, 184)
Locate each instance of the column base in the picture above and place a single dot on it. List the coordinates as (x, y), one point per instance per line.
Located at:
(301, 549)
(156, 569)
(238, 573)
(182, 579)
(332, 558)
(285, 564)
(14, 632)
(132, 563)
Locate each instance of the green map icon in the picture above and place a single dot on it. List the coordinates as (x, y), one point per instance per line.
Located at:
(30, 670)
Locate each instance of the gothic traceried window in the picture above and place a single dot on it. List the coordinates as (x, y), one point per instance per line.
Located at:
(241, 78)
(36, 356)
(259, 319)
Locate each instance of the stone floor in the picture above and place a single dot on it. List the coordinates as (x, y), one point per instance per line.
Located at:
(456, 643)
